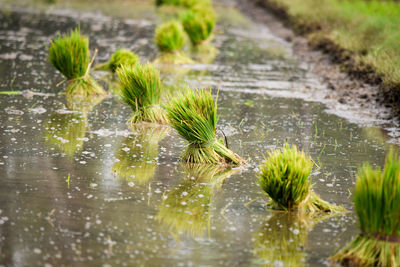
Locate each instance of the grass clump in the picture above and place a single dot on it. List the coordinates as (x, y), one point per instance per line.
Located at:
(70, 55)
(377, 204)
(119, 58)
(170, 36)
(136, 159)
(141, 90)
(285, 178)
(198, 24)
(193, 114)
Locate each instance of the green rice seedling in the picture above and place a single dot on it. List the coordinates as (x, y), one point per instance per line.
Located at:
(136, 157)
(170, 36)
(285, 178)
(377, 204)
(141, 90)
(193, 114)
(119, 58)
(186, 209)
(70, 55)
(198, 24)
(66, 132)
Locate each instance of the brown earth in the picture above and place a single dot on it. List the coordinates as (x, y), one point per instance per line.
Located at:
(350, 83)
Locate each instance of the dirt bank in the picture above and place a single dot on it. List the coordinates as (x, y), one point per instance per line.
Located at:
(350, 83)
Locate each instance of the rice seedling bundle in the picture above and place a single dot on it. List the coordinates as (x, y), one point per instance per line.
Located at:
(193, 114)
(377, 204)
(136, 157)
(66, 132)
(170, 36)
(285, 178)
(198, 23)
(141, 90)
(119, 58)
(70, 55)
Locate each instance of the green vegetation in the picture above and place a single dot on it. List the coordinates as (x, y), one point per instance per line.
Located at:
(170, 36)
(70, 55)
(377, 203)
(136, 157)
(194, 115)
(367, 29)
(119, 58)
(141, 90)
(199, 23)
(285, 178)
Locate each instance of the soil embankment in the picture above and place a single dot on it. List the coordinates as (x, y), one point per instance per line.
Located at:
(352, 82)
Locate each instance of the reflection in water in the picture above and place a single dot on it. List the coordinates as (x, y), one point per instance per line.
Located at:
(186, 209)
(66, 131)
(173, 58)
(136, 157)
(204, 53)
(281, 240)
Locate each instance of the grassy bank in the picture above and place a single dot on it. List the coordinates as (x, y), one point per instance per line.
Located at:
(364, 35)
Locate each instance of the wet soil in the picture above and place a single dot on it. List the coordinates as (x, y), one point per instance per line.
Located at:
(348, 84)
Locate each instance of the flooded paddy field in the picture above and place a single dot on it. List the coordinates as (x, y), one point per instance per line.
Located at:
(79, 187)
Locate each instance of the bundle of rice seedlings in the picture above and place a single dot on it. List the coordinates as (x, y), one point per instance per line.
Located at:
(377, 204)
(285, 178)
(170, 36)
(70, 55)
(281, 240)
(136, 159)
(141, 90)
(186, 209)
(66, 132)
(198, 24)
(193, 114)
(119, 58)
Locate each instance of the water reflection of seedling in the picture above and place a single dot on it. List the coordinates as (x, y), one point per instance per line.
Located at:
(194, 115)
(141, 90)
(136, 159)
(119, 58)
(281, 241)
(70, 55)
(377, 204)
(66, 131)
(285, 178)
(186, 209)
(183, 3)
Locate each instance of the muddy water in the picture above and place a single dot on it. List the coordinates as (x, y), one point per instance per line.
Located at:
(78, 187)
